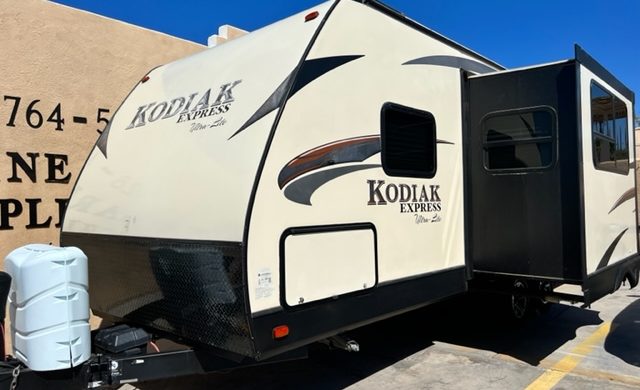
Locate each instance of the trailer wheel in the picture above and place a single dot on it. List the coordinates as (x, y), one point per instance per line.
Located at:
(520, 304)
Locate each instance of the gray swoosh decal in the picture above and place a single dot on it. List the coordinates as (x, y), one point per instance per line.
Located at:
(355, 149)
(607, 254)
(301, 190)
(628, 195)
(101, 143)
(309, 71)
(452, 62)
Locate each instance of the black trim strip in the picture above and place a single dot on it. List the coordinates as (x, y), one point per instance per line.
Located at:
(465, 116)
(309, 71)
(607, 254)
(317, 322)
(585, 59)
(452, 62)
(256, 182)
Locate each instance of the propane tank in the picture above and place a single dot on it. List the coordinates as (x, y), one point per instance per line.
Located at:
(49, 306)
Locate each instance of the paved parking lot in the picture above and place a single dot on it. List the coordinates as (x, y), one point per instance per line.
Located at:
(466, 343)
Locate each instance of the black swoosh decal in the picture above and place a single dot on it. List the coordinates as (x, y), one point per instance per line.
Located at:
(607, 254)
(628, 195)
(301, 190)
(309, 71)
(312, 69)
(452, 62)
(272, 102)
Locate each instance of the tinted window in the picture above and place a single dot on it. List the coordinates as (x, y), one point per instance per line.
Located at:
(408, 141)
(609, 126)
(519, 140)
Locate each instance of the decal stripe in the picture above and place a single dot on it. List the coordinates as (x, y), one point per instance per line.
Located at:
(301, 190)
(101, 143)
(310, 70)
(269, 105)
(628, 195)
(452, 62)
(607, 254)
(356, 149)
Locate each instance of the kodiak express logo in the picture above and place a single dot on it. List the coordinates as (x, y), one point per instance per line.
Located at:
(412, 198)
(184, 108)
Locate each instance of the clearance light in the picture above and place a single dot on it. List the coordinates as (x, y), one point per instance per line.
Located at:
(145, 79)
(280, 332)
(311, 16)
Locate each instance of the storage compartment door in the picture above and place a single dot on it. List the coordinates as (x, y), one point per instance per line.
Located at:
(320, 263)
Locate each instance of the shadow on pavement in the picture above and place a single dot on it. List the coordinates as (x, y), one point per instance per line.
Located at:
(484, 322)
(480, 322)
(622, 340)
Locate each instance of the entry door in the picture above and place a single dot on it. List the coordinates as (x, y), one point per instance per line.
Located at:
(522, 173)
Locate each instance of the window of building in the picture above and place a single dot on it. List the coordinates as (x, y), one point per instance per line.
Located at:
(520, 140)
(609, 126)
(408, 141)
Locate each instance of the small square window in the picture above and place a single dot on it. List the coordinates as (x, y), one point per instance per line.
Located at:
(408, 141)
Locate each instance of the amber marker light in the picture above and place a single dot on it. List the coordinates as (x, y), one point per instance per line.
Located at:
(280, 332)
(311, 16)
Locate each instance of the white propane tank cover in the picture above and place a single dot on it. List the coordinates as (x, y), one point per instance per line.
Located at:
(49, 306)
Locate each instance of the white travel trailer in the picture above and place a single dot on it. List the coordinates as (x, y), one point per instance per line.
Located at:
(344, 165)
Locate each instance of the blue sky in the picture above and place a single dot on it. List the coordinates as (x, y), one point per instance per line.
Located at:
(513, 33)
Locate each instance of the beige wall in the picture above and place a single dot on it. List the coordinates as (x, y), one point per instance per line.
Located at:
(637, 143)
(84, 64)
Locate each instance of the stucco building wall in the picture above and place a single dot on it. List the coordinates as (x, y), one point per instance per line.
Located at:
(63, 74)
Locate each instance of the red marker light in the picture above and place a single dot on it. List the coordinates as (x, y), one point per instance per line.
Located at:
(145, 79)
(280, 332)
(311, 16)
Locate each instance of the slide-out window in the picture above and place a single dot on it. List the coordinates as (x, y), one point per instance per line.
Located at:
(519, 140)
(609, 127)
(408, 141)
